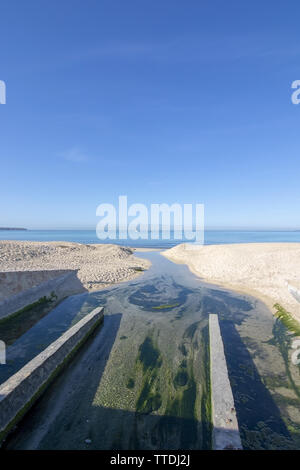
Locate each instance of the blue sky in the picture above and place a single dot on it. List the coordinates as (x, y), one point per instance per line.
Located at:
(162, 101)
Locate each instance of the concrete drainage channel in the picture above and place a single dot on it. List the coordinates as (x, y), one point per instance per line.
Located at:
(22, 389)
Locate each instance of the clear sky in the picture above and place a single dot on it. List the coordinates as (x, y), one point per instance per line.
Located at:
(160, 100)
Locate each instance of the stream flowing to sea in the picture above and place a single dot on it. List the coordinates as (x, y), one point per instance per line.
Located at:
(142, 380)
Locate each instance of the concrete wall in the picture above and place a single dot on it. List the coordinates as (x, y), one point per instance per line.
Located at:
(31, 286)
(14, 282)
(20, 391)
(226, 433)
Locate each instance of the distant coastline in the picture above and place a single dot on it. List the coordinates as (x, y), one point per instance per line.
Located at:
(12, 228)
(211, 237)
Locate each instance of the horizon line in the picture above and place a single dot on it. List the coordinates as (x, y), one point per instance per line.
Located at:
(234, 228)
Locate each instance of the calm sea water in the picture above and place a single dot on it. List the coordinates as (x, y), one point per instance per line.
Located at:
(212, 237)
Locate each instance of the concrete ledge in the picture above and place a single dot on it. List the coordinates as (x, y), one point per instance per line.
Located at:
(14, 282)
(21, 390)
(226, 433)
(61, 283)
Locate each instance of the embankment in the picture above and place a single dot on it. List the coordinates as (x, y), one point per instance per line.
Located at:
(258, 269)
(22, 289)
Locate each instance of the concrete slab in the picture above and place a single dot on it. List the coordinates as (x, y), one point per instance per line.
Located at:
(226, 433)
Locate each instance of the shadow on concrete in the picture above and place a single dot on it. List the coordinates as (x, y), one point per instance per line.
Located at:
(261, 425)
(13, 327)
(108, 429)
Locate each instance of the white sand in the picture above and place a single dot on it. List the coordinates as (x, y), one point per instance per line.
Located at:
(99, 265)
(258, 269)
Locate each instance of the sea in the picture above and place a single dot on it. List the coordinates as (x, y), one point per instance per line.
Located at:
(211, 237)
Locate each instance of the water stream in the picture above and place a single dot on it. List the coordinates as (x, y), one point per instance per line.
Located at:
(142, 381)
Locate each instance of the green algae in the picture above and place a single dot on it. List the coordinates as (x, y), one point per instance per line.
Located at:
(149, 398)
(287, 319)
(166, 306)
(191, 330)
(206, 401)
(149, 355)
(130, 383)
(182, 349)
(181, 378)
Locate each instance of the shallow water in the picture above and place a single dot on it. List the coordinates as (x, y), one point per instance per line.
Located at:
(143, 379)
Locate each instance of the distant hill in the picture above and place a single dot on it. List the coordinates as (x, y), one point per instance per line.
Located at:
(12, 228)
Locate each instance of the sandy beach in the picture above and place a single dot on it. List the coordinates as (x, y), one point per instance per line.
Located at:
(98, 266)
(262, 270)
